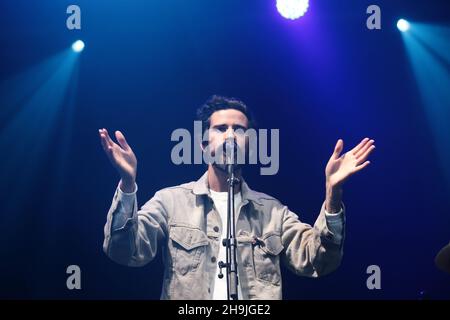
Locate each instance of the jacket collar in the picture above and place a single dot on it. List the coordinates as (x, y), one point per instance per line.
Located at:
(201, 187)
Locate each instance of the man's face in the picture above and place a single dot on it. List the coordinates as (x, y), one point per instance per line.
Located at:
(224, 123)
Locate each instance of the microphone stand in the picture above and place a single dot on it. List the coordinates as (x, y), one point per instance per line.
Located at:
(230, 241)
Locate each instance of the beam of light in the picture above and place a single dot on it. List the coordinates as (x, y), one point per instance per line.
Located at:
(403, 25)
(428, 49)
(17, 89)
(35, 100)
(292, 9)
(78, 46)
(435, 38)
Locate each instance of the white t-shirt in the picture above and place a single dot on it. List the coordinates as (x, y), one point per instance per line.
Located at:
(220, 202)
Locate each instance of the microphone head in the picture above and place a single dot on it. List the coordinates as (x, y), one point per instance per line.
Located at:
(230, 150)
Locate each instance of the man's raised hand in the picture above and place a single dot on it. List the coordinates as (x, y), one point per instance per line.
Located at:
(122, 158)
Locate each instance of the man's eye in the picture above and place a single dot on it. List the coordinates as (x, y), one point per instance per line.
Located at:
(239, 131)
(221, 129)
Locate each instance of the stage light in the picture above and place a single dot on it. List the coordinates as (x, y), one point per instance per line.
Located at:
(78, 46)
(292, 9)
(403, 25)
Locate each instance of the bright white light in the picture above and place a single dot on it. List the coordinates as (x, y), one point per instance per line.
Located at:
(403, 25)
(292, 9)
(78, 46)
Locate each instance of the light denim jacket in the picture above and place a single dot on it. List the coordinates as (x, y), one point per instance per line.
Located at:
(184, 222)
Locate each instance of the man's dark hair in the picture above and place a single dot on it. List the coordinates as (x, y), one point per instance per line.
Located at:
(216, 103)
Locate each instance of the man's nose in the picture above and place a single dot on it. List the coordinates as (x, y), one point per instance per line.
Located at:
(230, 133)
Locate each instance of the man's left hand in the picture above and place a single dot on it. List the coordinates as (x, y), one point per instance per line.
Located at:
(340, 167)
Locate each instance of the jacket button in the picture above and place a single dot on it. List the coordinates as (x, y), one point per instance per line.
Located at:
(216, 229)
(213, 259)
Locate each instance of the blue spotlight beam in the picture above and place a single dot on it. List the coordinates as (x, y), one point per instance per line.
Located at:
(433, 80)
(435, 37)
(28, 133)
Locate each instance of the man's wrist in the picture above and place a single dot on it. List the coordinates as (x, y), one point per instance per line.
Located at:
(127, 185)
(333, 198)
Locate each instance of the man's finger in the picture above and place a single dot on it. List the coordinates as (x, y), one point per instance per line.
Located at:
(108, 150)
(338, 148)
(122, 141)
(362, 166)
(360, 145)
(104, 144)
(365, 155)
(364, 149)
(108, 138)
(103, 140)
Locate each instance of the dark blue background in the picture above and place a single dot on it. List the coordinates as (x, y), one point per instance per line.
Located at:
(148, 65)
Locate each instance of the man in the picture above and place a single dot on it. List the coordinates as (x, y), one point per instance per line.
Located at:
(189, 221)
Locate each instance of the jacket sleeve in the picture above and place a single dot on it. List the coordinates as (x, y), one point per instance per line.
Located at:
(131, 235)
(312, 251)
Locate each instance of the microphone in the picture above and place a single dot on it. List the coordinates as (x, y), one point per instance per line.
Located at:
(230, 150)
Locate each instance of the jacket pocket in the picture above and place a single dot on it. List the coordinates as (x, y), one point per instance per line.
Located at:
(188, 246)
(266, 258)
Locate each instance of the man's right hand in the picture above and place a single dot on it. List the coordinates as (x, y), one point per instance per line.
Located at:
(122, 158)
